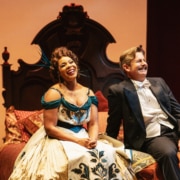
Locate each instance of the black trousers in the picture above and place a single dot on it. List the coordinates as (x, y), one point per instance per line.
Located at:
(164, 149)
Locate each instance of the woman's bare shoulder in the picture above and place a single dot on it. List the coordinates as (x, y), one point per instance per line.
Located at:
(53, 93)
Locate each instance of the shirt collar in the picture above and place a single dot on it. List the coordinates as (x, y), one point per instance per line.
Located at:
(139, 84)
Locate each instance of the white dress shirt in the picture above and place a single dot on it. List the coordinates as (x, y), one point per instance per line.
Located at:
(153, 115)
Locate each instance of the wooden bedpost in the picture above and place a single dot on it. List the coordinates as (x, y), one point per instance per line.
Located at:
(6, 72)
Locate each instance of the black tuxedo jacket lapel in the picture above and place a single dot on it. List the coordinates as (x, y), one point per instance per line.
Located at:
(132, 98)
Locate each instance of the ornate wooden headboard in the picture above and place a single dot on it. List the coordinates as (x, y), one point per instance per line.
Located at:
(87, 38)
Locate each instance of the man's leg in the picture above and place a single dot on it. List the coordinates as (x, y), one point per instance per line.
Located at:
(164, 150)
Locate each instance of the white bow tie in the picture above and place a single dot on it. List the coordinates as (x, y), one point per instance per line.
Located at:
(144, 84)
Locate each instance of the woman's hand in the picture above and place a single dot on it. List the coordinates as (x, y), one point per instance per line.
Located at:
(92, 144)
(87, 142)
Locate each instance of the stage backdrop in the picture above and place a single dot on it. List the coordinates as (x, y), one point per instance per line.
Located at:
(21, 20)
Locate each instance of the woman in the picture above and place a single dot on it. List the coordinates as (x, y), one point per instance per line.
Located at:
(63, 149)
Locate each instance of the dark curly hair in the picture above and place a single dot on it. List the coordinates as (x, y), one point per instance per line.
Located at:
(57, 54)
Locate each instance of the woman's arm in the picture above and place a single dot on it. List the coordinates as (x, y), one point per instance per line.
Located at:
(93, 126)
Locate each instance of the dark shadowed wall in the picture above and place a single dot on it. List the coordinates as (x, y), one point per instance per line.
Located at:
(163, 41)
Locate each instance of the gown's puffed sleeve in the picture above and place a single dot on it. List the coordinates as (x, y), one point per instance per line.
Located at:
(94, 100)
(51, 104)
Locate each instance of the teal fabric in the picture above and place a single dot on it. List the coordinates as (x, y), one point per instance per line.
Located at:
(75, 114)
(57, 103)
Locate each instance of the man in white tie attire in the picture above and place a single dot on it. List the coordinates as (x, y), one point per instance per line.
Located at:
(149, 111)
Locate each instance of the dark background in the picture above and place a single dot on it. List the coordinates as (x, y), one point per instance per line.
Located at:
(163, 42)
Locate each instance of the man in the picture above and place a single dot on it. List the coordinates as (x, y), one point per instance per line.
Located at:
(149, 111)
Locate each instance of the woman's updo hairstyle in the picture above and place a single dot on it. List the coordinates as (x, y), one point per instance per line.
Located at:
(57, 54)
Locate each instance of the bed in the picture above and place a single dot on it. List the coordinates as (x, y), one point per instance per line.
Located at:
(24, 88)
